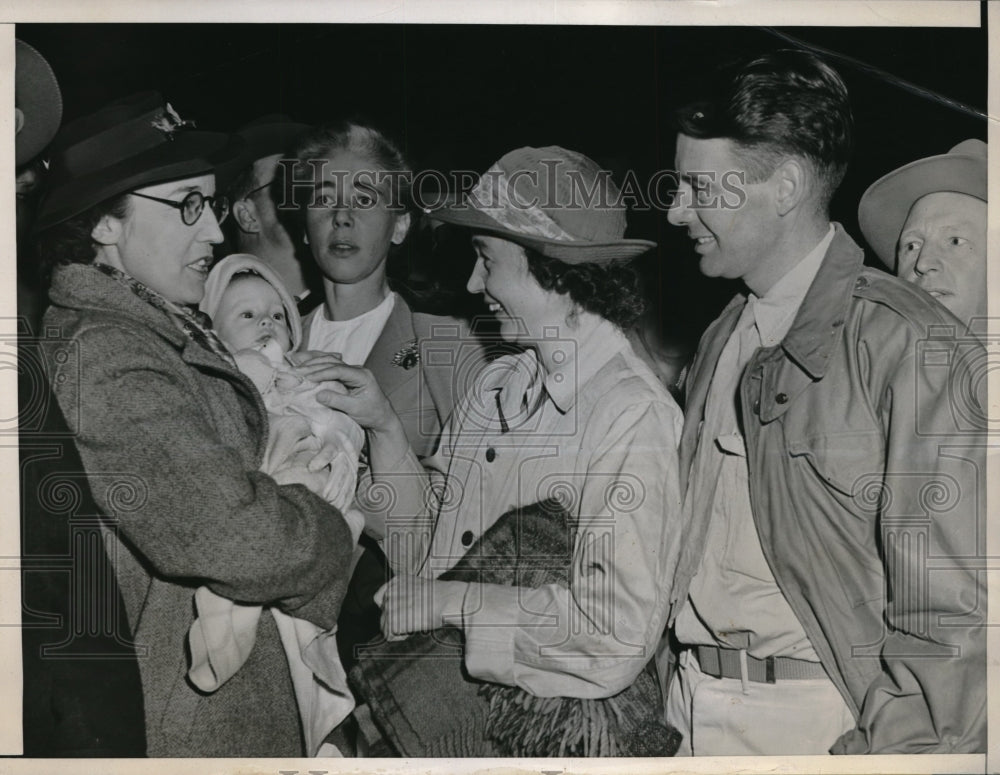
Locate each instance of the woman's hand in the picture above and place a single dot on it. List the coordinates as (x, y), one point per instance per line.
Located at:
(415, 604)
(363, 401)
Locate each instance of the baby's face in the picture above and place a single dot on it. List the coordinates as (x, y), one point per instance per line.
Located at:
(250, 314)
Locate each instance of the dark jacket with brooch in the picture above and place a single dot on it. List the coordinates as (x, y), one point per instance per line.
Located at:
(421, 362)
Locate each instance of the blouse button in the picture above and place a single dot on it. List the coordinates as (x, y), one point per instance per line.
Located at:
(781, 398)
(467, 537)
(491, 455)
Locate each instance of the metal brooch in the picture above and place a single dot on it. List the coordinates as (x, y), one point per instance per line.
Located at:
(169, 122)
(408, 356)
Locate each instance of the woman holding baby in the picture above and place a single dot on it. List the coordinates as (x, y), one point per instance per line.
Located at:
(172, 435)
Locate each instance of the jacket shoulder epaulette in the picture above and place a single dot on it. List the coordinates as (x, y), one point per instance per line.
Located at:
(904, 298)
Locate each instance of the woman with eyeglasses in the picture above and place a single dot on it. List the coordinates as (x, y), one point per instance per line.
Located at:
(173, 437)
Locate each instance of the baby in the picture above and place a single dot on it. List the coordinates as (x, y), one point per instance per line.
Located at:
(256, 318)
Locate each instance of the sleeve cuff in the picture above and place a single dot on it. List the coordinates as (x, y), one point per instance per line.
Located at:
(489, 617)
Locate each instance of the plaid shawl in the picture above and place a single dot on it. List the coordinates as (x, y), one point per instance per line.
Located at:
(426, 704)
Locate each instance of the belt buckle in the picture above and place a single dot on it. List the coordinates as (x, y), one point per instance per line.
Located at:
(769, 670)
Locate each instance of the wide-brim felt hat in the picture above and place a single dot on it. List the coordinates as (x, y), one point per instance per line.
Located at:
(544, 199)
(884, 207)
(37, 100)
(264, 136)
(134, 142)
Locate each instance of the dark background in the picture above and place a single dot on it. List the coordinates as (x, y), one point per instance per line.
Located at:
(461, 96)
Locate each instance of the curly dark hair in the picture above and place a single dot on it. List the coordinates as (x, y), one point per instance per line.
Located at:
(611, 291)
(70, 242)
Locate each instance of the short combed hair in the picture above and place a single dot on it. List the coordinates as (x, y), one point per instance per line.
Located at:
(70, 242)
(362, 139)
(783, 103)
(369, 143)
(611, 291)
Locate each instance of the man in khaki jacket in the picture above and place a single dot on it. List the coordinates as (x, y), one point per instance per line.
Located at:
(827, 597)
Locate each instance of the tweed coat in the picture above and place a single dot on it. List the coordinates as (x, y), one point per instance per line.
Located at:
(82, 691)
(172, 439)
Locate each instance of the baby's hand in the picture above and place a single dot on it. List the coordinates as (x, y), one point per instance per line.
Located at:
(286, 380)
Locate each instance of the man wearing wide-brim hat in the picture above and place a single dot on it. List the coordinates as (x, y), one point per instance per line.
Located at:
(927, 220)
(255, 226)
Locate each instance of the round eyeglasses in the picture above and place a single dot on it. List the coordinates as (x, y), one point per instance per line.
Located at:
(193, 205)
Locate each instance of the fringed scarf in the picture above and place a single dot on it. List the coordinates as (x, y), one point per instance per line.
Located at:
(419, 698)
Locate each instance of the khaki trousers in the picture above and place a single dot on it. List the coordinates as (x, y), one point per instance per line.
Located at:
(725, 717)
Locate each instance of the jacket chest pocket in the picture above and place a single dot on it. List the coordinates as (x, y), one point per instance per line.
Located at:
(838, 498)
(844, 460)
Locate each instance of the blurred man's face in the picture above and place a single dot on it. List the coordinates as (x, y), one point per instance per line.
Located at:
(271, 228)
(942, 248)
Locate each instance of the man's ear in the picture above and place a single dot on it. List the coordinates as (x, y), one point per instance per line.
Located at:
(245, 214)
(792, 180)
(400, 230)
(107, 231)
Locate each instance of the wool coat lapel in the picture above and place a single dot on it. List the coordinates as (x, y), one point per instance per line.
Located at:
(397, 334)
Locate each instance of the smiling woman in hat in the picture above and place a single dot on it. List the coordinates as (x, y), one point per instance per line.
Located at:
(570, 414)
(927, 220)
(171, 434)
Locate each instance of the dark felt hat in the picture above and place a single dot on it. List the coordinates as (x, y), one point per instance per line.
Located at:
(134, 142)
(37, 103)
(264, 136)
